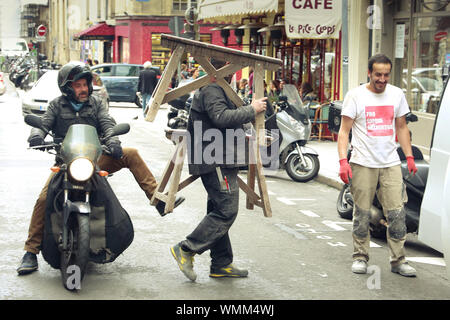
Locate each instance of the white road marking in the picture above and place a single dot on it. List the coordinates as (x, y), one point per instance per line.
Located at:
(374, 245)
(309, 213)
(291, 231)
(335, 225)
(290, 202)
(428, 260)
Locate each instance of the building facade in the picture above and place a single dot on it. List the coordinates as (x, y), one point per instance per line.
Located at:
(125, 31)
(413, 33)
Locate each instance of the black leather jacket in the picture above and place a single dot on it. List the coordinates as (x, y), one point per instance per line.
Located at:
(60, 115)
(214, 119)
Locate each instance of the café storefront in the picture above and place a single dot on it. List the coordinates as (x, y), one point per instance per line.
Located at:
(310, 52)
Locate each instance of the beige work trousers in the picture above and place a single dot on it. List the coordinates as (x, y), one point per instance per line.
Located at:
(363, 188)
(130, 159)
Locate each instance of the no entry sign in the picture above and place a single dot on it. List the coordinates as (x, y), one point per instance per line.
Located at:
(41, 31)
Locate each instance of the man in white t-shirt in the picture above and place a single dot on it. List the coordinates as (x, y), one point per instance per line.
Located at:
(375, 112)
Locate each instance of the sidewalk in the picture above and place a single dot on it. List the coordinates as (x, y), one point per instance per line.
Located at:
(329, 162)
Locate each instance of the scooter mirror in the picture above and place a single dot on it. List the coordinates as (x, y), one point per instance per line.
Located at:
(120, 129)
(33, 120)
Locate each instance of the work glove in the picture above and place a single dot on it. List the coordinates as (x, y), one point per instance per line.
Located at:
(116, 150)
(36, 141)
(345, 171)
(411, 165)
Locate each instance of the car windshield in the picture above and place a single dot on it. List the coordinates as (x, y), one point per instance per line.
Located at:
(18, 46)
(127, 71)
(50, 78)
(430, 84)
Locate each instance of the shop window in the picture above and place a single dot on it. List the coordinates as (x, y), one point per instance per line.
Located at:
(310, 61)
(429, 57)
(182, 5)
(205, 38)
(432, 5)
(160, 54)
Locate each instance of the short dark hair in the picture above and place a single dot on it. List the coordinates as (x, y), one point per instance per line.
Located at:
(379, 58)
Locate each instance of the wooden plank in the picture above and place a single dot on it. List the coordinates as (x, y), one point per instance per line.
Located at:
(267, 210)
(187, 182)
(211, 71)
(251, 185)
(160, 196)
(250, 193)
(162, 184)
(160, 91)
(219, 52)
(176, 175)
(258, 78)
(200, 82)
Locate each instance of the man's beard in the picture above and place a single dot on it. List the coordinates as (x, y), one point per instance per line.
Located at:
(82, 96)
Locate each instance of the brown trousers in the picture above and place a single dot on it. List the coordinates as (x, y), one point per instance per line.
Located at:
(130, 159)
(390, 195)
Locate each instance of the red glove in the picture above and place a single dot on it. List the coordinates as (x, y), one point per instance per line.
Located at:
(411, 165)
(345, 171)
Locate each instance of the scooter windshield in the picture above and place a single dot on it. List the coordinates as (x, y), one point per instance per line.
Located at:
(81, 141)
(297, 111)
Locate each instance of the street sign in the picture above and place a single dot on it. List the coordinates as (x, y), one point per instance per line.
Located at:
(41, 31)
(438, 36)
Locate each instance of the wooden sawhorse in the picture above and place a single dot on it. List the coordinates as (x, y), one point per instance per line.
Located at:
(236, 60)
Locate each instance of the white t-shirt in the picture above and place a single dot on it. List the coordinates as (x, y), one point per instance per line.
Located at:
(373, 131)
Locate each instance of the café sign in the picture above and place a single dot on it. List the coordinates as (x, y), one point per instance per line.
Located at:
(313, 19)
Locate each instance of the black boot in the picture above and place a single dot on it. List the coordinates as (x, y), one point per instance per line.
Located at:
(161, 204)
(28, 265)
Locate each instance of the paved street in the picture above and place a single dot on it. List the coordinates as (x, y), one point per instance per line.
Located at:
(302, 252)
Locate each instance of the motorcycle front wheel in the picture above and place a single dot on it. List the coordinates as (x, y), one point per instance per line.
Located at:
(300, 172)
(344, 204)
(75, 259)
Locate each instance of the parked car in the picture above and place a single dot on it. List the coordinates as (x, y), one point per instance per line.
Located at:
(13, 47)
(426, 88)
(46, 89)
(2, 84)
(121, 80)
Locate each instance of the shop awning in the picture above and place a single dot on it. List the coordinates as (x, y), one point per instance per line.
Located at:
(100, 31)
(208, 9)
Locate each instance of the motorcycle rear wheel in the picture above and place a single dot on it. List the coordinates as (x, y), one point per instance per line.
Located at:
(76, 258)
(298, 172)
(344, 203)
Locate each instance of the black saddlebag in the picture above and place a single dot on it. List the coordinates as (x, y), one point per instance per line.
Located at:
(111, 229)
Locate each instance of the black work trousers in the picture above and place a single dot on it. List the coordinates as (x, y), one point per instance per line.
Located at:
(222, 209)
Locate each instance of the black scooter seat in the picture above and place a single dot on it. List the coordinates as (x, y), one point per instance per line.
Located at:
(419, 180)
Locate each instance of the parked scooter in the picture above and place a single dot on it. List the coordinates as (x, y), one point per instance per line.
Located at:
(292, 120)
(414, 186)
(84, 220)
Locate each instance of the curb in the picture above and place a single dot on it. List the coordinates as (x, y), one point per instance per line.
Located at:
(329, 182)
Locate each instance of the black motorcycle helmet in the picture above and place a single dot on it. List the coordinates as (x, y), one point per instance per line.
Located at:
(70, 72)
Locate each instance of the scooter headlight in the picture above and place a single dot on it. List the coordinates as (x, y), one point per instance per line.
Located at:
(81, 169)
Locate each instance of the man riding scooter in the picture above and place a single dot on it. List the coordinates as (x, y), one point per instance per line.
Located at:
(76, 105)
